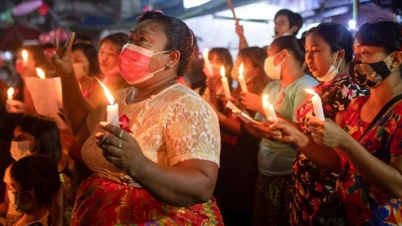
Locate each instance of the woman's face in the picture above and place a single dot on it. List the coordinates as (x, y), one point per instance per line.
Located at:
(319, 56)
(368, 54)
(249, 71)
(108, 56)
(150, 35)
(21, 135)
(274, 51)
(80, 63)
(20, 63)
(282, 25)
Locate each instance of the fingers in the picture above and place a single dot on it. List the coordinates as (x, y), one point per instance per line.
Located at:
(67, 46)
(56, 44)
(110, 144)
(69, 43)
(115, 130)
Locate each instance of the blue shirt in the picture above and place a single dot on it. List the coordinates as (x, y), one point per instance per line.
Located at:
(275, 158)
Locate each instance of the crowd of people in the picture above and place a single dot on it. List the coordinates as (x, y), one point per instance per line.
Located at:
(216, 141)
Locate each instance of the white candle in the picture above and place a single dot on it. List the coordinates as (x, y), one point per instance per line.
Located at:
(40, 73)
(10, 93)
(225, 83)
(207, 64)
(242, 81)
(317, 105)
(112, 114)
(268, 109)
(24, 54)
(112, 109)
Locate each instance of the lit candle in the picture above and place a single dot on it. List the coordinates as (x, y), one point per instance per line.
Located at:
(24, 54)
(207, 64)
(242, 82)
(112, 109)
(225, 83)
(40, 73)
(10, 93)
(268, 109)
(317, 105)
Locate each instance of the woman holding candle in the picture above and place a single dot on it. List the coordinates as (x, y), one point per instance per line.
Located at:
(238, 164)
(214, 89)
(164, 172)
(328, 54)
(284, 64)
(30, 57)
(371, 190)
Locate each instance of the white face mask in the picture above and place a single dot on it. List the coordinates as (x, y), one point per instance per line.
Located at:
(273, 72)
(332, 71)
(79, 70)
(19, 149)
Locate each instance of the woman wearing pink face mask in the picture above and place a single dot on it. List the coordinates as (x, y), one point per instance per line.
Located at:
(161, 166)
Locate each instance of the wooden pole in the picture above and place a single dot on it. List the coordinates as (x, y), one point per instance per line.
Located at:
(356, 9)
(230, 5)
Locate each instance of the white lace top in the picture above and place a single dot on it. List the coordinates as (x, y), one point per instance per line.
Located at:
(173, 126)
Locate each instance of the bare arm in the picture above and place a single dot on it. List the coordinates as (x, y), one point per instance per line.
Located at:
(75, 107)
(242, 39)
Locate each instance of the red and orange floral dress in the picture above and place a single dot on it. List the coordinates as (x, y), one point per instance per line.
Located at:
(365, 205)
(311, 182)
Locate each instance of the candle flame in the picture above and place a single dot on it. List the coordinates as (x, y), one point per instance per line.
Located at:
(10, 93)
(310, 91)
(24, 54)
(205, 53)
(109, 96)
(241, 70)
(223, 71)
(40, 73)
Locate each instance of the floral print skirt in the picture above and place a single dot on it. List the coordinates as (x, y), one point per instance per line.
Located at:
(102, 201)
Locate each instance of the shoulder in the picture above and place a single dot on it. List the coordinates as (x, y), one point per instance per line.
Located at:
(185, 98)
(306, 80)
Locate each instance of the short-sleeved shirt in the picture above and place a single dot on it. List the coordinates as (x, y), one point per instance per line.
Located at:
(275, 158)
(170, 127)
(311, 182)
(365, 204)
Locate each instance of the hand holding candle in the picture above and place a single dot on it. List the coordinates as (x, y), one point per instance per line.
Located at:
(268, 109)
(112, 109)
(207, 64)
(10, 93)
(317, 105)
(225, 83)
(242, 81)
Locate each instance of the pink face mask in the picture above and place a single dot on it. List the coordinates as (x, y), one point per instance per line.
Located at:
(134, 61)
